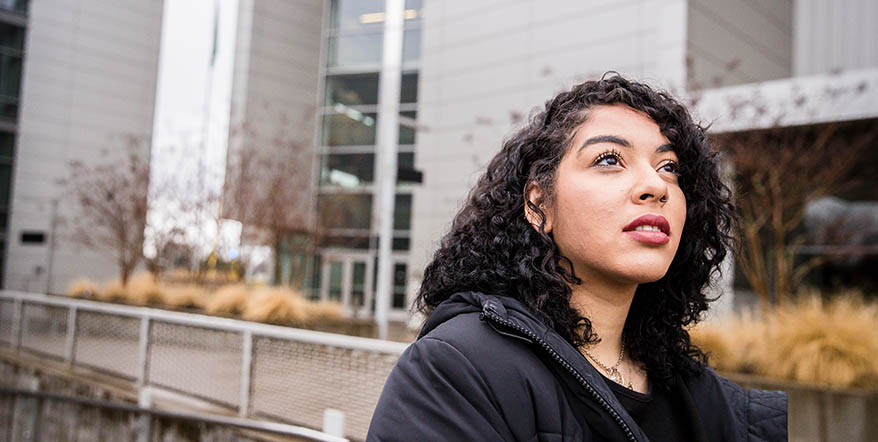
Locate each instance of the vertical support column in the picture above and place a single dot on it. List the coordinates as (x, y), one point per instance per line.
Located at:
(246, 365)
(17, 317)
(71, 335)
(387, 140)
(143, 352)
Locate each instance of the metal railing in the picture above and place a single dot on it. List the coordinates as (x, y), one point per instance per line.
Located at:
(36, 416)
(284, 374)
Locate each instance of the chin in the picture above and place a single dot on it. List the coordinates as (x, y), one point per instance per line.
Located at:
(645, 273)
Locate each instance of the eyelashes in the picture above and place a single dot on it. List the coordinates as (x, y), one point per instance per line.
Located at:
(610, 156)
(613, 157)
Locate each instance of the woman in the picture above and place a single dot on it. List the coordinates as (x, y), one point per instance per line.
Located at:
(557, 305)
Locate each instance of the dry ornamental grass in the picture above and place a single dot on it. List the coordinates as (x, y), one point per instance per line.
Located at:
(83, 288)
(275, 305)
(227, 300)
(811, 341)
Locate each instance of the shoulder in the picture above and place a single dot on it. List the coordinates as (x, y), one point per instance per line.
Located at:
(462, 380)
(498, 358)
(760, 415)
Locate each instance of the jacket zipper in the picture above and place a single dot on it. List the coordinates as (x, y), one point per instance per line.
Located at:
(588, 387)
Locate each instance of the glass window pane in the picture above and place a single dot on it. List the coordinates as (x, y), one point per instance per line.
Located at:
(399, 277)
(5, 176)
(405, 169)
(7, 144)
(409, 89)
(14, 5)
(402, 212)
(406, 131)
(400, 243)
(10, 75)
(335, 277)
(347, 170)
(355, 50)
(348, 242)
(11, 36)
(8, 109)
(414, 4)
(314, 287)
(349, 129)
(358, 284)
(345, 210)
(352, 89)
(411, 45)
(356, 14)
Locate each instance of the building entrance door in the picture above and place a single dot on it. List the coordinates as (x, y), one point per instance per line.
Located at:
(348, 280)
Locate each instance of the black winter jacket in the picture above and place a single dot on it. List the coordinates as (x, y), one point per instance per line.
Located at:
(486, 369)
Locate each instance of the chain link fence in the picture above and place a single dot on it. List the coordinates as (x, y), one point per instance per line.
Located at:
(283, 374)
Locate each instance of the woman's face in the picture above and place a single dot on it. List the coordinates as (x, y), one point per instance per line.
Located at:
(618, 210)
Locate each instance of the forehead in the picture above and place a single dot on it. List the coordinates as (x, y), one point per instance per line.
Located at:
(623, 121)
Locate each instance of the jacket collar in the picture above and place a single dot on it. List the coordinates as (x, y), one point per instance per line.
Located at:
(515, 312)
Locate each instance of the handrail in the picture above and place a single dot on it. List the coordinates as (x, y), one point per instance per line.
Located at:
(361, 367)
(249, 424)
(218, 323)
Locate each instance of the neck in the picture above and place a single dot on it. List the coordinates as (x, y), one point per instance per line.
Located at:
(606, 305)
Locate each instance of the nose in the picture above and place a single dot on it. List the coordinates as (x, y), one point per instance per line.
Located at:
(650, 188)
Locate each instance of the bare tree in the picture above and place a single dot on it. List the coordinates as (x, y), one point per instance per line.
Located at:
(778, 172)
(268, 188)
(111, 200)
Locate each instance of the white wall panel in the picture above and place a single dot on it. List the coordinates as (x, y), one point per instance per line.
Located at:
(89, 77)
(833, 36)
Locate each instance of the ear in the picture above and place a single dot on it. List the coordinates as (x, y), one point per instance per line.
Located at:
(534, 197)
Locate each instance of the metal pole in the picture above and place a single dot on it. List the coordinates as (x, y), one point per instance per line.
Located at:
(143, 352)
(71, 335)
(17, 315)
(246, 364)
(387, 140)
(51, 257)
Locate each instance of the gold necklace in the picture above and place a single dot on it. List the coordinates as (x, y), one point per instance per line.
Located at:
(613, 372)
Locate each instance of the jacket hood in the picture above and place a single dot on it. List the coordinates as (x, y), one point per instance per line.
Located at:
(469, 302)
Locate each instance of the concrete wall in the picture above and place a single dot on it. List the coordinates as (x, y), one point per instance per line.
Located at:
(755, 36)
(275, 81)
(89, 77)
(486, 64)
(832, 36)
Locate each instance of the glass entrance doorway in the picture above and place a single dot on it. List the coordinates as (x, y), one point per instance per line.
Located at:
(350, 279)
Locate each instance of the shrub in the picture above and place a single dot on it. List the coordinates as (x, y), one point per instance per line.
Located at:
(83, 288)
(142, 289)
(185, 296)
(322, 311)
(112, 290)
(834, 343)
(813, 341)
(276, 305)
(227, 300)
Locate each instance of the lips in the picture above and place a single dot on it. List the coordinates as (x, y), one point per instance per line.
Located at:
(655, 229)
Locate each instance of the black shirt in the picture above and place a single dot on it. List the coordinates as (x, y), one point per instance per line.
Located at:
(662, 414)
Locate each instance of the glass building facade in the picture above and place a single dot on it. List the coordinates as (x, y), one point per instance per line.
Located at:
(345, 266)
(13, 26)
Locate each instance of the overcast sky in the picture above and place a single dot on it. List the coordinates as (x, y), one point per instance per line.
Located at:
(185, 77)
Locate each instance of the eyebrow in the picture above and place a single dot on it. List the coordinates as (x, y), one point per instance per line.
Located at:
(668, 147)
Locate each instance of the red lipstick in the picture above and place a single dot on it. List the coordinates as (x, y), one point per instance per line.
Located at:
(649, 235)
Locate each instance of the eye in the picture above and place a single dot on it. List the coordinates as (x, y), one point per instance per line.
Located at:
(670, 167)
(607, 159)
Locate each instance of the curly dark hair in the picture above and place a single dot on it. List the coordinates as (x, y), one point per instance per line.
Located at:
(492, 248)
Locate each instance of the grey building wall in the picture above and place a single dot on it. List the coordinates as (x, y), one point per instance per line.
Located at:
(485, 65)
(89, 78)
(834, 35)
(738, 41)
(275, 80)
